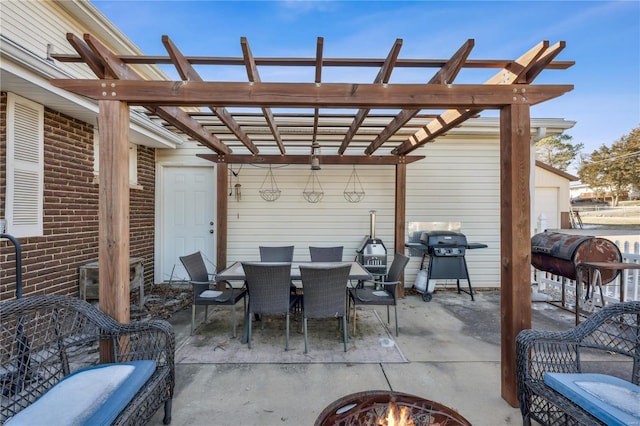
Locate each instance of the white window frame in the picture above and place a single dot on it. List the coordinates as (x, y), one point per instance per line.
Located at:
(25, 167)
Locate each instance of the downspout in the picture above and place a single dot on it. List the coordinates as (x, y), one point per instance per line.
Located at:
(541, 133)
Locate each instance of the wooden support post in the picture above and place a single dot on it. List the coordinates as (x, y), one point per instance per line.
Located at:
(113, 231)
(222, 211)
(515, 200)
(400, 213)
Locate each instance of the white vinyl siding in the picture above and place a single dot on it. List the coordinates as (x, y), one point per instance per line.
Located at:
(291, 220)
(459, 181)
(25, 167)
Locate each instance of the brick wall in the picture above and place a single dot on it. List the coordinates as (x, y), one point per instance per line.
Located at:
(50, 262)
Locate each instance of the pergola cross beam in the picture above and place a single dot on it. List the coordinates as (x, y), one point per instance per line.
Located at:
(511, 74)
(383, 77)
(445, 75)
(115, 68)
(188, 72)
(254, 77)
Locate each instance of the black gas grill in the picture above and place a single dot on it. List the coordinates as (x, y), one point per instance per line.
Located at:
(444, 256)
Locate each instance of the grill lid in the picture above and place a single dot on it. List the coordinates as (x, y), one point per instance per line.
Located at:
(443, 238)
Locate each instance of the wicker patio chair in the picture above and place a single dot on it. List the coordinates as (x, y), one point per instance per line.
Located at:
(204, 296)
(386, 296)
(325, 295)
(276, 254)
(46, 338)
(268, 285)
(607, 342)
(326, 254)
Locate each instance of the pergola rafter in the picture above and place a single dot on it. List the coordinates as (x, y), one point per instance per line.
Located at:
(285, 138)
(187, 72)
(445, 75)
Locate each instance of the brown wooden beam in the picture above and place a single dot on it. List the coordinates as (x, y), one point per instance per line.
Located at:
(222, 212)
(306, 159)
(514, 73)
(400, 216)
(309, 95)
(113, 211)
(115, 68)
(254, 77)
(515, 246)
(187, 72)
(310, 62)
(383, 77)
(445, 75)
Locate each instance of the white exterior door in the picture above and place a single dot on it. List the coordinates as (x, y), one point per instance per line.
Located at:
(187, 218)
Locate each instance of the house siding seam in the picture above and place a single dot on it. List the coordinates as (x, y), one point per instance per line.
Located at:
(70, 233)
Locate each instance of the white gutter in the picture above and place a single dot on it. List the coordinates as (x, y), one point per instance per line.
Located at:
(33, 74)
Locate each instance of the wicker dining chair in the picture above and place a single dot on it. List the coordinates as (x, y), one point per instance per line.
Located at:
(268, 285)
(326, 254)
(368, 295)
(276, 254)
(203, 295)
(324, 295)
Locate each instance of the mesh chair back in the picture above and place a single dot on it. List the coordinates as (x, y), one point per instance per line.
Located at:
(268, 286)
(195, 267)
(324, 290)
(276, 254)
(397, 267)
(326, 254)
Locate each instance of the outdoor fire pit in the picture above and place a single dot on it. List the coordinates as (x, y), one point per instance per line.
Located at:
(380, 407)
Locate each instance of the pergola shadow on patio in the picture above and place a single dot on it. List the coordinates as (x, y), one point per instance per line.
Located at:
(442, 102)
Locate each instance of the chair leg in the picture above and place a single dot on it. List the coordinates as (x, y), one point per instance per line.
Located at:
(249, 331)
(286, 345)
(388, 317)
(354, 318)
(304, 326)
(395, 309)
(206, 312)
(345, 336)
(233, 318)
(193, 317)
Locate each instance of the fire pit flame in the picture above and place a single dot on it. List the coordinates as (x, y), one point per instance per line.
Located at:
(397, 417)
(388, 408)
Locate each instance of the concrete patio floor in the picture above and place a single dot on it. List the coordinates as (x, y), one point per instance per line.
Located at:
(453, 348)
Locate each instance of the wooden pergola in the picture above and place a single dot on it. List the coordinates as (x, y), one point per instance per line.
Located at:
(252, 121)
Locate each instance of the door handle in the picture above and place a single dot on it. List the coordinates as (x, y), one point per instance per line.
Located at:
(211, 231)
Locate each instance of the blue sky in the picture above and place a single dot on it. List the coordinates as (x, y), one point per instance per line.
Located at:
(603, 38)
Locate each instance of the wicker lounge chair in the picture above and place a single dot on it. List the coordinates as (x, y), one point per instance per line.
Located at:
(607, 342)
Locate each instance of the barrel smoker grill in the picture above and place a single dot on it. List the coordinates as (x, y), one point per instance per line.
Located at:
(560, 254)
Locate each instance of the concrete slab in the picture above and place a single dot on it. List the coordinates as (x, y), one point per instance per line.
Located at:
(452, 343)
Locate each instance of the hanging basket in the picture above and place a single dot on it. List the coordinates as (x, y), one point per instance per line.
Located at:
(354, 192)
(313, 192)
(269, 190)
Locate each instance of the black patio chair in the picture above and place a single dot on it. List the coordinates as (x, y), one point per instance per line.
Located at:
(324, 295)
(276, 254)
(268, 285)
(326, 254)
(203, 295)
(382, 292)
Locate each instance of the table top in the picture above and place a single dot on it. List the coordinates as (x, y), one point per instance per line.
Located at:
(235, 271)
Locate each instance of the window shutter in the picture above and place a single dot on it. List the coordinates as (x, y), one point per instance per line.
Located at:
(25, 167)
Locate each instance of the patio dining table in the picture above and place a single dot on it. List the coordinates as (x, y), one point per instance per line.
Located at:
(235, 273)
